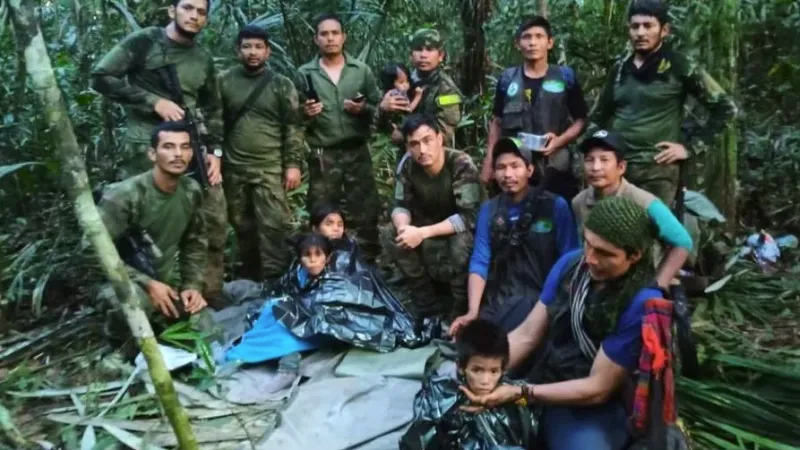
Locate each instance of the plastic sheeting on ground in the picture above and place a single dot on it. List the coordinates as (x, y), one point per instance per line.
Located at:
(351, 303)
(440, 424)
(343, 413)
(401, 363)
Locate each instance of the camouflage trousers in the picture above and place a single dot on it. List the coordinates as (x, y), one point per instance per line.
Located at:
(436, 270)
(660, 180)
(216, 215)
(135, 161)
(259, 213)
(344, 177)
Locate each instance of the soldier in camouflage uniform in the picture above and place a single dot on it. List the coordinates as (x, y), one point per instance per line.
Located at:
(263, 155)
(441, 97)
(644, 97)
(127, 74)
(437, 197)
(337, 128)
(165, 206)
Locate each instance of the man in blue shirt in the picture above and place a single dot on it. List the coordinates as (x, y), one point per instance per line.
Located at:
(520, 234)
(589, 319)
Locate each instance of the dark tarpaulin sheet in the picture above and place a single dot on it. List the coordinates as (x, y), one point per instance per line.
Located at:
(440, 424)
(351, 303)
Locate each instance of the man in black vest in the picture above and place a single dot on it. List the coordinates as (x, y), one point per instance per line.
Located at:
(520, 234)
(539, 99)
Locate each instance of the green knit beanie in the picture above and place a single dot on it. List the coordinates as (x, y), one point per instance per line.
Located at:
(622, 222)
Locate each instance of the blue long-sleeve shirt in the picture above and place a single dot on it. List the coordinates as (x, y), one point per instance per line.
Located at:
(564, 224)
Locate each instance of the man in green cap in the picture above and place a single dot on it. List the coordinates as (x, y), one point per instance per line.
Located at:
(588, 325)
(263, 155)
(132, 73)
(437, 196)
(644, 100)
(440, 95)
(340, 95)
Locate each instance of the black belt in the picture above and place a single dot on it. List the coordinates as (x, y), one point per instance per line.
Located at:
(347, 144)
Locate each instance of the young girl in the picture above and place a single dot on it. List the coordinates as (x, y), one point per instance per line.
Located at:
(396, 79)
(328, 221)
(313, 251)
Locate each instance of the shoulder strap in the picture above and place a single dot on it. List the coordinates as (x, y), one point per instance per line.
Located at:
(230, 121)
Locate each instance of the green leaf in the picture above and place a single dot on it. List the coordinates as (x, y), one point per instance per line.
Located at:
(6, 170)
(717, 285)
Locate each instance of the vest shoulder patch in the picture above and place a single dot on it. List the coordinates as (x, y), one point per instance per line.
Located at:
(555, 86)
(448, 100)
(542, 226)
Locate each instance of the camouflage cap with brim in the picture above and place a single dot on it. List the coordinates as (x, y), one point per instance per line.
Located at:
(426, 37)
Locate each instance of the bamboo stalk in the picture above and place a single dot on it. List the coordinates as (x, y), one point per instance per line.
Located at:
(75, 180)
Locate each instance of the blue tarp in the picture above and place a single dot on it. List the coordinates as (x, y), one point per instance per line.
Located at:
(267, 340)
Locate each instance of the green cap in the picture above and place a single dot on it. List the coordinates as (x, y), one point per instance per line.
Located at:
(426, 37)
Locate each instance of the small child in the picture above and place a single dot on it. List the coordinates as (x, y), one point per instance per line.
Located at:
(439, 421)
(396, 79)
(313, 251)
(328, 221)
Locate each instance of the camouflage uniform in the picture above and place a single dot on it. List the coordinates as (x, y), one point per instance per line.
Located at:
(648, 111)
(455, 194)
(340, 166)
(127, 75)
(264, 142)
(175, 223)
(441, 97)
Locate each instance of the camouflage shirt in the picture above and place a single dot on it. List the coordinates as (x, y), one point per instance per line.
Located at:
(648, 112)
(442, 99)
(453, 194)
(126, 75)
(174, 222)
(268, 136)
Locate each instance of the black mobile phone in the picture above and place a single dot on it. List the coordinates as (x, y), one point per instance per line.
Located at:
(359, 98)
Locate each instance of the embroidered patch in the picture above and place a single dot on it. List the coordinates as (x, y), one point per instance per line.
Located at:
(664, 66)
(554, 86)
(512, 90)
(542, 226)
(448, 100)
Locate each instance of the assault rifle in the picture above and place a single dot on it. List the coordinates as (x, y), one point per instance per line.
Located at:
(197, 129)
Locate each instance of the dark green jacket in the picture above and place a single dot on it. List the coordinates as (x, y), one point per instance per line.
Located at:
(336, 125)
(269, 135)
(125, 75)
(646, 113)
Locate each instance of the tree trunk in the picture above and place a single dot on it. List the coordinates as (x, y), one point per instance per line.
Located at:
(474, 14)
(542, 8)
(722, 158)
(76, 183)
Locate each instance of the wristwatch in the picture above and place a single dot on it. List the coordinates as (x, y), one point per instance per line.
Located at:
(217, 152)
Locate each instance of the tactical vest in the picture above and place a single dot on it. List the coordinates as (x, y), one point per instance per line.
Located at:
(549, 112)
(432, 85)
(522, 255)
(560, 358)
